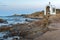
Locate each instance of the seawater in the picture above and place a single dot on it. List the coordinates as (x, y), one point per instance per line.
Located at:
(14, 20)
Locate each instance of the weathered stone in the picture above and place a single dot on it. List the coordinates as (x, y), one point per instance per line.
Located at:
(3, 21)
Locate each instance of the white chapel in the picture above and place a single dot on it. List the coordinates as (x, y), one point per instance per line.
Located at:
(50, 9)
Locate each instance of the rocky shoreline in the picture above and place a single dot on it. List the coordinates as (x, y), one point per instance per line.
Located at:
(27, 31)
(31, 30)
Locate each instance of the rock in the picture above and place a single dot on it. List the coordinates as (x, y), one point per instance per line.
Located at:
(3, 21)
(33, 30)
(16, 38)
(5, 36)
(1, 39)
(28, 20)
(5, 29)
(29, 31)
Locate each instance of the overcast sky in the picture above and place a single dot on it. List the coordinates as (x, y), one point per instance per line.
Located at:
(9, 7)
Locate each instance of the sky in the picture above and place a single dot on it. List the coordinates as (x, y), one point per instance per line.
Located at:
(10, 7)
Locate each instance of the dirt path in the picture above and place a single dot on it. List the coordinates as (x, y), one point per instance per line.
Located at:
(51, 35)
(54, 25)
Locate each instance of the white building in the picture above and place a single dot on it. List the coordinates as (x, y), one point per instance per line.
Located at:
(50, 9)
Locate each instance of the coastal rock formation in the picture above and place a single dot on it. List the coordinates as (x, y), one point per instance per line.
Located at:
(31, 30)
(3, 21)
(2, 29)
(28, 31)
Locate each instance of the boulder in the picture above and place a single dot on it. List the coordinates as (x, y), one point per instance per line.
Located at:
(3, 21)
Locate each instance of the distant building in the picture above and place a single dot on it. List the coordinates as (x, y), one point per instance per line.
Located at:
(50, 9)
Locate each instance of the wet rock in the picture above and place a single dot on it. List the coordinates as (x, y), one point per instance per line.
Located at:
(28, 20)
(5, 36)
(16, 38)
(3, 21)
(1, 39)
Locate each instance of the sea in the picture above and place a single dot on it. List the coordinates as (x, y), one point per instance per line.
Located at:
(15, 20)
(12, 20)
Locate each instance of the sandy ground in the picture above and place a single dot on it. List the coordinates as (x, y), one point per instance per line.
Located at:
(51, 35)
